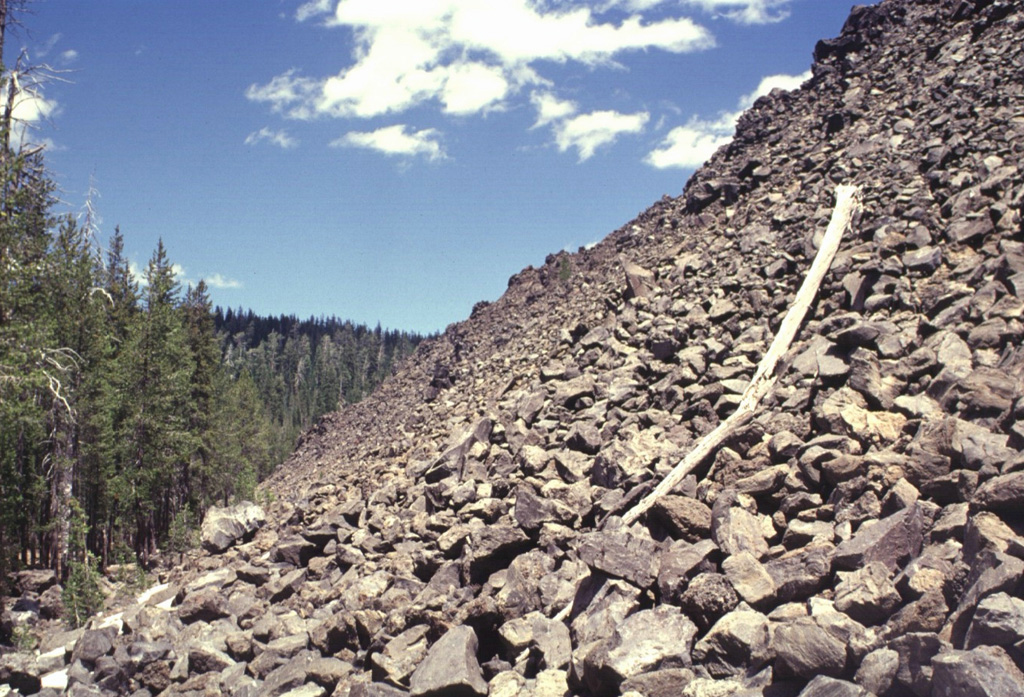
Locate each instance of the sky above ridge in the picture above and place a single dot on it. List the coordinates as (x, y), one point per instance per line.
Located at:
(390, 161)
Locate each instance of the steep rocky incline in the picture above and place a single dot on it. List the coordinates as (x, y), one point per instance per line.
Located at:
(460, 531)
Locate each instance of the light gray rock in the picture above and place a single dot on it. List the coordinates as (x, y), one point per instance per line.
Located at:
(986, 671)
(867, 594)
(750, 579)
(877, 671)
(450, 667)
(549, 637)
(403, 654)
(737, 644)
(824, 686)
(647, 640)
(998, 621)
(223, 527)
(805, 649)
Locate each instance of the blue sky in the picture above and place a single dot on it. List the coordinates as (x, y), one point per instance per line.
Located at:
(391, 161)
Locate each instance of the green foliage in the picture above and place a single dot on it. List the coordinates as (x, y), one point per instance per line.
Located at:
(82, 594)
(183, 534)
(565, 270)
(303, 369)
(24, 639)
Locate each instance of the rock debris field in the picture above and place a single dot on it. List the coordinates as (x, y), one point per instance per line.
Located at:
(461, 531)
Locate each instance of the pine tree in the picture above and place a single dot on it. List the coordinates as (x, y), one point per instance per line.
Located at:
(153, 439)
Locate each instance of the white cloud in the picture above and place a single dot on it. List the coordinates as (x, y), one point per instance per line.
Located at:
(138, 274)
(466, 55)
(31, 108)
(313, 8)
(550, 108)
(587, 132)
(691, 145)
(278, 138)
(44, 50)
(771, 82)
(746, 11)
(221, 282)
(473, 87)
(69, 56)
(395, 140)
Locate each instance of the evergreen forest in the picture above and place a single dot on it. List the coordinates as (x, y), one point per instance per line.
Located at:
(130, 405)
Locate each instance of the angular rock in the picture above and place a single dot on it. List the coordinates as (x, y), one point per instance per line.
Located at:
(877, 671)
(738, 643)
(685, 518)
(451, 667)
(867, 594)
(735, 530)
(998, 621)
(805, 649)
(824, 686)
(205, 605)
(892, 541)
(403, 654)
(986, 671)
(750, 579)
(625, 553)
(645, 641)
(493, 547)
(801, 572)
(678, 562)
(1002, 494)
(223, 527)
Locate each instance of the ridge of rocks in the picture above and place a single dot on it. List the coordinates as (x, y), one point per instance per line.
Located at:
(860, 536)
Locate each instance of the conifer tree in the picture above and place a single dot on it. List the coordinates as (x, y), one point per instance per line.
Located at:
(153, 439)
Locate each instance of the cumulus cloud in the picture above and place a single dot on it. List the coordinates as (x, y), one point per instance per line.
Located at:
(266, 135)
(745, 11)
(31, 108)
(69, 56)
(587, 132)
(395, 140)
(691, 145)
(467, 56)
(313, 8)
(550, 108)
(222, 282)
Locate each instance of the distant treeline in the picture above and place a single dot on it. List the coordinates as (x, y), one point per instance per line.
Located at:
(305, 368)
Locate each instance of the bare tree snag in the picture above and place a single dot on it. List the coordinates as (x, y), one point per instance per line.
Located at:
(847, 204)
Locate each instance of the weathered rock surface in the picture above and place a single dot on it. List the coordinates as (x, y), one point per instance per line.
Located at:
(223, 527)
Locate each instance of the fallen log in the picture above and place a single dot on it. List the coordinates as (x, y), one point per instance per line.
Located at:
(847, 204)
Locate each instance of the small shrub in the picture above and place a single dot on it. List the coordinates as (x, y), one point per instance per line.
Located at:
(23, 638)
(565, 270)
(82, 595)
(182, 535)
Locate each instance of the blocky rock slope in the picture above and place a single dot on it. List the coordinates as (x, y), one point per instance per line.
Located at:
(460, 532)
